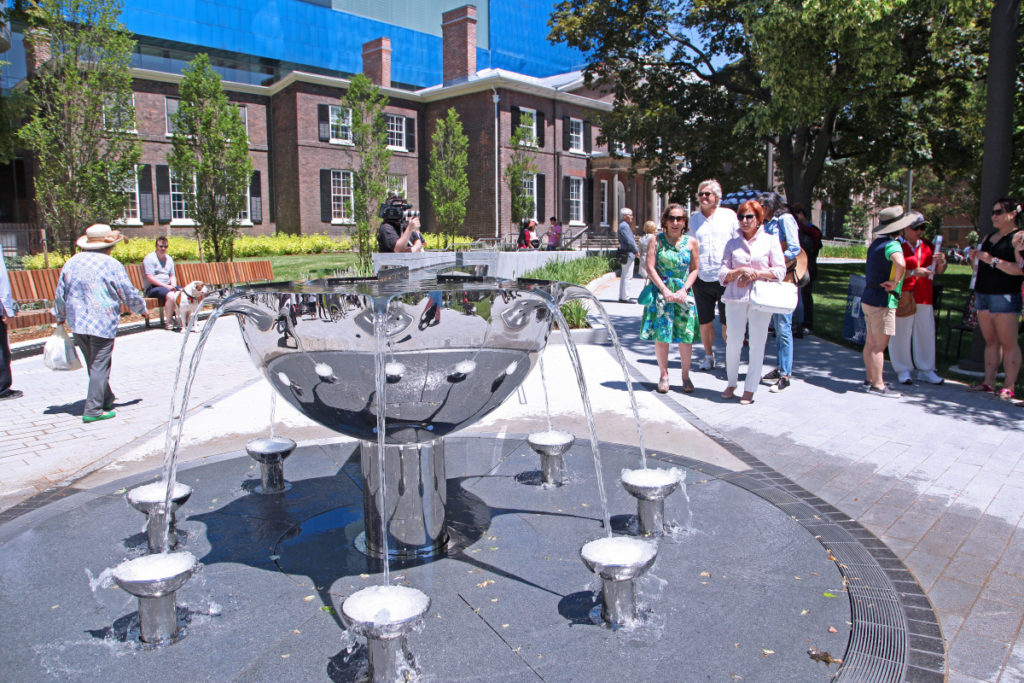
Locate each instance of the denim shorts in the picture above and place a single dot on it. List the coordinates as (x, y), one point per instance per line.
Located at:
(998, 303)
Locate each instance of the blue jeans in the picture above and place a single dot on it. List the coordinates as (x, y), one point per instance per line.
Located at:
(783, 324)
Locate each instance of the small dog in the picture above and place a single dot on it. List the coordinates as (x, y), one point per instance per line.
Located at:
(187, 302)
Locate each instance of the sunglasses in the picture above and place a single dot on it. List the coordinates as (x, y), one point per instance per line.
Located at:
(704, 194)
(998, 212)
(917, 228)
(675, 219)
(748, 217)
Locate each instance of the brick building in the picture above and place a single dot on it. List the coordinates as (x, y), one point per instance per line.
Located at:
(303, 158)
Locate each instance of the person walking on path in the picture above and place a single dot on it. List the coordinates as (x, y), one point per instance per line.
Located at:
(627, 250)
(91, 288)
(6, 310)
(914, 342)
(670, 317)
(750, 256)
(158, 269)
(997, 297)
(883, 279)
(779, 222)
(712, 226)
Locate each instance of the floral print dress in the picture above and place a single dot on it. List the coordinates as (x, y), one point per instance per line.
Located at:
(669, 322)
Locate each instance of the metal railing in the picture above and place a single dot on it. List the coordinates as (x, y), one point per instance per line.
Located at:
(21, 239)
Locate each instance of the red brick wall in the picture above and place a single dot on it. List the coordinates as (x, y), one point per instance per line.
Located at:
(458, 29)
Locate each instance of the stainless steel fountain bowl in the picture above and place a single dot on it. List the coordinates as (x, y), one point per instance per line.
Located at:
(454, 348)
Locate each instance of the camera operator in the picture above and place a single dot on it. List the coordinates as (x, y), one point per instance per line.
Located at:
(399, 232)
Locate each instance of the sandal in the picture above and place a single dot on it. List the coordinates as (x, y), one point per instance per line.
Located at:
(981, 386)
(729, 393)
(747, 400)
(687, 386)
(1005, 394)
(663, 385)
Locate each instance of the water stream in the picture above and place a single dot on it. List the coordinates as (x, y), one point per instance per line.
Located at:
(380, 330)
(544, 385)
(273, 410)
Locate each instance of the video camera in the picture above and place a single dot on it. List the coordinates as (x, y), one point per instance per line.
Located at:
(397, 210)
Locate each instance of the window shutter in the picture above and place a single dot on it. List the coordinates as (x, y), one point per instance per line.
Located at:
(145, 178)
(542, 203)
(323, 114)
(565, 198)
(325, 195)
(540, 129)
(588, 201)
(566, 126)
(255, 198)
(588, 134)
(163, 193)
(516, 115)
(410, 134)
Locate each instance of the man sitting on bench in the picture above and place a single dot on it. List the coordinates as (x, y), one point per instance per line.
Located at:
(158, 269)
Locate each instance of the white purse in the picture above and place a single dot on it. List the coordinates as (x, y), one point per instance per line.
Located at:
(774, 297)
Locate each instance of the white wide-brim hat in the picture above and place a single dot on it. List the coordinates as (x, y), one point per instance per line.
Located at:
(99, 236)
(894, 218)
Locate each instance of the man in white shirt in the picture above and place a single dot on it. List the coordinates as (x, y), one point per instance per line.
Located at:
(712, 227)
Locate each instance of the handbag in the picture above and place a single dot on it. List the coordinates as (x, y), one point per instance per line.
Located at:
(774, 297)
(907, 306)
(646, 297)
(59, 352)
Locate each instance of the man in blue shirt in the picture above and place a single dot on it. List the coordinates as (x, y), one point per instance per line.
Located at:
(6, 310)
(779, 222)
(627, 249)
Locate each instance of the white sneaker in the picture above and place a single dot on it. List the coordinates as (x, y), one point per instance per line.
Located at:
(904, 378)
(930, 376)
(708, 364)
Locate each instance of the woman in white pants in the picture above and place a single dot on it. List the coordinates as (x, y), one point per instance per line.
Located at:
(913, 345)
(750, 256)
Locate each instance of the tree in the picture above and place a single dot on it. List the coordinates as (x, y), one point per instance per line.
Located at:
(712, 81)
(210, 158)
(448, 184)
(82, 121)
(521, 167)
(370, 137)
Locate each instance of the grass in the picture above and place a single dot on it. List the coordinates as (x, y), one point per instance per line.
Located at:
(830, 309)
(578, 272)
(301, 266)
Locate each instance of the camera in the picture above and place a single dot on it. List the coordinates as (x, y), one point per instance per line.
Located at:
(396, 210)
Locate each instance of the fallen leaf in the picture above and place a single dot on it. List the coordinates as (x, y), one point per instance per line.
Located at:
(803, 612)
(736, 645)
(296, 631)
(307, 598)
(54, 606)
(484, 584)
(119, 491)
(705, 573)
(798, 578)
(364, 576)
(494, 547)
(275, 557)
(494, 599)
(767, 653)
(285, 656)
(823, 657)
(833, 629)
(829, 595)
(504, 625)
(328, 609)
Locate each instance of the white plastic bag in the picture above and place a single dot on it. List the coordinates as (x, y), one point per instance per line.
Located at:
(59, 352)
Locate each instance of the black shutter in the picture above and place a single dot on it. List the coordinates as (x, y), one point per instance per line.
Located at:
(565, 199)
(588, 133)
(541, 199)
(255, 198)
(410, 134)
(588, 201)
(145, 177)
(325, 195)
(163, 193)
(323, 115)
(516, 115)
(566, 126)
(540, 129)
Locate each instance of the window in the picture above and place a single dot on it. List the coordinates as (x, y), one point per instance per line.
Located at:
(131, 212)
(576, 135)
(398, 184)
(531, 126)
(179, 211)
(575, 200)
(341, 124)
(119, 118)
(396, 132)
(530, 190)
(170, 108)
(243, 112)
(243, 216)
(604, 202)
(342, 208)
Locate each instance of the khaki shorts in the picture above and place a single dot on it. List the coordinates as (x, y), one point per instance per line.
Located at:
(879, 320)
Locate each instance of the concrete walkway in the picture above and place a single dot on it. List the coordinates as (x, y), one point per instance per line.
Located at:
(938, 475)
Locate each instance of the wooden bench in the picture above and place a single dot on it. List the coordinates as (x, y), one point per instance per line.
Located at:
(40, 286)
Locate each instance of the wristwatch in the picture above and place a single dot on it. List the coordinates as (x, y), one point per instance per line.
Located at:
(995, 262)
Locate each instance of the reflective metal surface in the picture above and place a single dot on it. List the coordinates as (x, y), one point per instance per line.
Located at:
(456, 347)
(156, 519)
(650, 504)
(270, 453)
(618, 586)
(386, 639)
(158, 619)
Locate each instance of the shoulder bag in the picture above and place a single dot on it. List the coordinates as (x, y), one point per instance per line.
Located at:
(907, 306)
(774, 297)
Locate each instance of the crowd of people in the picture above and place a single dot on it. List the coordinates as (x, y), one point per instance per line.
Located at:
(711, 262)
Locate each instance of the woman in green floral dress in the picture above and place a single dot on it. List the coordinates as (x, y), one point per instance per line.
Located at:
(671, 318)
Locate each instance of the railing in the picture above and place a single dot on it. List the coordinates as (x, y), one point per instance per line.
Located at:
(21, 239)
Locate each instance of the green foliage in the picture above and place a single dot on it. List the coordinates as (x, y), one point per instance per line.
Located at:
(443, 241)
(210, 145)
(857, 251)
(857, 222)
(448, 184)
(520, 166)
(578, 272)
(81, 121)
(370, 137)
(711, 81)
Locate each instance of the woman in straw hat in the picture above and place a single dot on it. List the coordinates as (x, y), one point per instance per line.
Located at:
(90, 291)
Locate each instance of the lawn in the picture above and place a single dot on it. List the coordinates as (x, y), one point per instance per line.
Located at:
(305, 266)
(830, 308)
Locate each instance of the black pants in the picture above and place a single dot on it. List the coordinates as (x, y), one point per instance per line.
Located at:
(5, 359)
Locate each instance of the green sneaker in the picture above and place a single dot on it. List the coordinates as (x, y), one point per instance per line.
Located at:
(96, 418)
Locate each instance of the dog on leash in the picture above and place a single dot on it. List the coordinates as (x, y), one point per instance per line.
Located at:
(187, 302)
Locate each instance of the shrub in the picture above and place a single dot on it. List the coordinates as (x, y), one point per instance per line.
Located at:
(578, 272)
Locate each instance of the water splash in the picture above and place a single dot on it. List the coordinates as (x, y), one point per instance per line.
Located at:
(380, 330)
(273, 410)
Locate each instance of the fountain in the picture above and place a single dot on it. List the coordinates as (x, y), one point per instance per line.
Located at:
(149, 500)
(154, 579)
(650, 487)
(619, 561)
(384, 615)
(551, 446)
(270, 453)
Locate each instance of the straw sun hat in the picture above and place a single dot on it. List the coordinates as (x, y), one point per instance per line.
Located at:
(99, 236)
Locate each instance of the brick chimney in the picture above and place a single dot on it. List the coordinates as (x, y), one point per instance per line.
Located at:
(458, 28)
(377, 61)
(37, 49)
